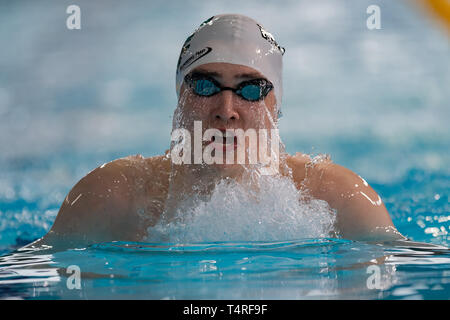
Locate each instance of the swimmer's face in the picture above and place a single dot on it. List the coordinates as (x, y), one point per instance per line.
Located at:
(225, 110)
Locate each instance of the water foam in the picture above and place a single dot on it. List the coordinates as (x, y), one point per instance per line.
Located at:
(235, 212)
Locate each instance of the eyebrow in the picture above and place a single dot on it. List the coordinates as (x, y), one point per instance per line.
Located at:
(245, 75)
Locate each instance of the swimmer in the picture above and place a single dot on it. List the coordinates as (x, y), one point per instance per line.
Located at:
(229, 76)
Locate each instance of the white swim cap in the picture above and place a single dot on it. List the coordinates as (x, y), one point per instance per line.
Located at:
(237, 39)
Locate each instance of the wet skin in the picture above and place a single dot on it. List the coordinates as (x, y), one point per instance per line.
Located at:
(121, 199)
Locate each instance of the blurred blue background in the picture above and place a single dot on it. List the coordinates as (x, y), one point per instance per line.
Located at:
(377, 101)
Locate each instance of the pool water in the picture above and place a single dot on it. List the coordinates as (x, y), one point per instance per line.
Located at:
(317, 268)
(303, 269)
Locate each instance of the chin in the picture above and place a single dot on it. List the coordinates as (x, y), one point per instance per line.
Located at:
(228, 169)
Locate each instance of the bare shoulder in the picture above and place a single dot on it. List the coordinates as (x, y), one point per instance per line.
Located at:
(114, 201)
(307, 172)
(361, 213)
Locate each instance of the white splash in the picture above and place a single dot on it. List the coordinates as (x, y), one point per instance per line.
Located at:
(234, 213)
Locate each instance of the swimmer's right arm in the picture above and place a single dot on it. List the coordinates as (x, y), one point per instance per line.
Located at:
(97, 208)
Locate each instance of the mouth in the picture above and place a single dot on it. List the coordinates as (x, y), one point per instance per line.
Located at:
(228, 141)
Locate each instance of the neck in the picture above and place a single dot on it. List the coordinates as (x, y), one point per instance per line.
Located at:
(199, 180)
(190, 184)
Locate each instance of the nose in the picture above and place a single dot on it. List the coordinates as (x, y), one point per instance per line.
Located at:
(225, 109)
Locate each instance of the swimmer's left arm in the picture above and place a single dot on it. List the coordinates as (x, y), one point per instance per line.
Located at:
(361, 214)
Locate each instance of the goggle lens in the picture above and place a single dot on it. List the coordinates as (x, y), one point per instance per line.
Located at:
(252, 90)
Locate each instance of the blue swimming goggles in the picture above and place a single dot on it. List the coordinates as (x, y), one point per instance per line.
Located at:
(206, 86)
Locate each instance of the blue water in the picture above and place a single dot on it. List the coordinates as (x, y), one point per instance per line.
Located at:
(292, 269)
(376, 101)
(303, 269)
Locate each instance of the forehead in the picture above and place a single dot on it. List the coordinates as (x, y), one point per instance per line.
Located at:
(228, 70)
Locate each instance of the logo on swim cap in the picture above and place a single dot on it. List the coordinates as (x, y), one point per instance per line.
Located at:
(269, 37)
(187, 44)
(199, 54)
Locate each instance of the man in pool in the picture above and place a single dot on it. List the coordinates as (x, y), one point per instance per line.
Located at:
(228, 77)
